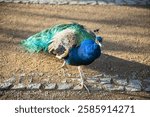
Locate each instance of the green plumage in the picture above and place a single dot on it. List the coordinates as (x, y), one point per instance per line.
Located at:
(41, 40)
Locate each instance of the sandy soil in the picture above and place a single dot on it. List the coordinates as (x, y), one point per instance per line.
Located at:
(126, 51)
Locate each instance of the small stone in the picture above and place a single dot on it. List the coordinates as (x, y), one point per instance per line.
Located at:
(146, 84)
(62, 2)
(122, 82)
(134, 85)
(108, 87)
(118, 88)
(30, 80)
(119, 2)
(1, 93)
(102, 2)
(22, 75)
(91, 2)
(76, 79)
(147, 80)
(5, 86)
(8, 1)
(64, 86)
(25, 1)
(93, 80)
(52, 2)
(82, 2)
(64, 81)
(130, 2)
(19, 86)
(41, 74)
(95, 87)
(142, 2)
(34, 1)
(99, 75)
(34, 86)
(17, 1)
(73, 2)
(147, 89)
(11, 80)
(105, 80)
(43, 1)
(110, 2)
(131, 89)
(78, 87)
(50, 86)
(32, 74)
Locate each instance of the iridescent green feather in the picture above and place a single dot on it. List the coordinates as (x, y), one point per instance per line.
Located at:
(41, 40)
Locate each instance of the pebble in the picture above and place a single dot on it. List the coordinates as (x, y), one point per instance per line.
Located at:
(91, 2)
(8, 1)
(120, 2)
(130, 2)
(41, 74)
(110, 2)
(19, 86)
(105, 81)
(25, 1)
(22, 75)
(5, 85)
(43, 1)
(93, 80)
(134, 85)
(107, 87)
(63, 2)
(50, 86)
(147, 88)
(34, 1)
(73, 2)
(146, 84)
(21, 78)
(102, 2)
(78, 87)
(147, 80)
(118, 88)
(82, 2)
(34, 86)
(64, 86)
(122, 82)
(95, 87)
(11, 80)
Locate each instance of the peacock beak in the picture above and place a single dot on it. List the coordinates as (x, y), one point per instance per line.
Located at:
(99, 43)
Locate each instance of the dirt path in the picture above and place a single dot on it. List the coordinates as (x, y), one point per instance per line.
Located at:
(126, 51)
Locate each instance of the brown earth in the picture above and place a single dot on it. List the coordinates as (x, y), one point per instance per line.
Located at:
(126, 51)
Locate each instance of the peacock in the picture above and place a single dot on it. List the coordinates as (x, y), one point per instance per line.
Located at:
(72, 42)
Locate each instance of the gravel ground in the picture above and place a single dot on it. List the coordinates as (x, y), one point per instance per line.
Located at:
(126, 52)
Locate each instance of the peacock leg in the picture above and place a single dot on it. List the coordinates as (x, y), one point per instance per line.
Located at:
(82, 79)
(63, 66)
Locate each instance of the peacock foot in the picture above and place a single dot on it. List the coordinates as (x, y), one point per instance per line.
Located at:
(83, 85)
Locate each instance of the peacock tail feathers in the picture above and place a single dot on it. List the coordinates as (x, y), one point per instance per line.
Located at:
(41, 41)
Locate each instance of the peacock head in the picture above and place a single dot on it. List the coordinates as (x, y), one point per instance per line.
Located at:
(99, 40)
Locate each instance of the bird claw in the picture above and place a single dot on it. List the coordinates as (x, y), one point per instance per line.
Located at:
(59, 57)
(83, 85)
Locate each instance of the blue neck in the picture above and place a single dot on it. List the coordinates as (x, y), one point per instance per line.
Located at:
(85, 54)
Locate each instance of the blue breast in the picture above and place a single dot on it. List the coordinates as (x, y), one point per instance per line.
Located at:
(85, 54)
